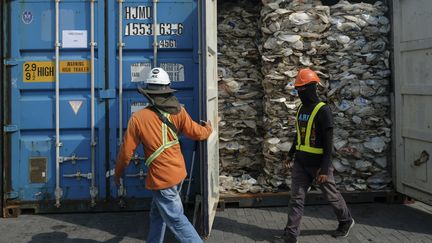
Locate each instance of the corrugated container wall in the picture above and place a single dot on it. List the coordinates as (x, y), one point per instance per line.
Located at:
(73, 68)
(56, 123)
(177, 53)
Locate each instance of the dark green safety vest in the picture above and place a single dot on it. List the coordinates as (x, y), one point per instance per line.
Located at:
(306, 147)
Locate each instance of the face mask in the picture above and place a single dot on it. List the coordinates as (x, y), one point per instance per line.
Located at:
(308, 94)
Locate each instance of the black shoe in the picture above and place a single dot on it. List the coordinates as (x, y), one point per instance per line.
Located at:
(343, 228)
(285, 239)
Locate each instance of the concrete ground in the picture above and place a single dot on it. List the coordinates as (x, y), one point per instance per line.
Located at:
(375, 223)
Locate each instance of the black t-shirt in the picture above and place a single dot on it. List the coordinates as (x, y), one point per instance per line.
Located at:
(323, 121)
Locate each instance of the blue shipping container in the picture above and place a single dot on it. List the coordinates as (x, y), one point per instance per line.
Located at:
(177, 53)
(71, 73)
(35, 111)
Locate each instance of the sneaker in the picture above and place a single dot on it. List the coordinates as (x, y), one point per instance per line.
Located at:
(343, 228)
(285, 239)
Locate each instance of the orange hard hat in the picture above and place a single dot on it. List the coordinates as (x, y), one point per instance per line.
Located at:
(306, 76)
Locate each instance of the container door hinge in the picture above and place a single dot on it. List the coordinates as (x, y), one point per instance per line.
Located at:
(10, 62)
(107, 94)
(11, 195)
(10, 128)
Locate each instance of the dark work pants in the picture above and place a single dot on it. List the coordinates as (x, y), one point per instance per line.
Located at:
(302, 178)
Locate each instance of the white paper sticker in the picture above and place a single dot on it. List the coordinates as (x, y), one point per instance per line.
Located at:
(136, 106)
(75, 105)
(74, 39)
(140, 71)
(175, 71)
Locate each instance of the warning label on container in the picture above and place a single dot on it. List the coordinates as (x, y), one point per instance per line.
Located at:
(45, 71)
(75, 105)
(39, 72)
(75, 66)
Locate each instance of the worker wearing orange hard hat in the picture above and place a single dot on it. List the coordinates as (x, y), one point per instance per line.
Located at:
(306, 76)
(311, 150)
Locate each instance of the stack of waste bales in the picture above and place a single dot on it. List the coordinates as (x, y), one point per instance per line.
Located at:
(358, 66)
(294, 37)
(240, 95)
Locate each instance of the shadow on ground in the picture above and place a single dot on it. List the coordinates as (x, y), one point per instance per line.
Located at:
(64, 238)
(133, 226)
(394, 217)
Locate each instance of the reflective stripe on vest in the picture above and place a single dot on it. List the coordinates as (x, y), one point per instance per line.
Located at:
(165, 143)
(306, 147)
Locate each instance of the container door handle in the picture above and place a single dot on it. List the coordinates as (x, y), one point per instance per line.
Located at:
(424, 157)
(140, 174)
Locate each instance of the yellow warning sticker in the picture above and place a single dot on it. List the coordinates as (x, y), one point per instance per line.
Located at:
(39, 72)
(45, 71)
(75, 66)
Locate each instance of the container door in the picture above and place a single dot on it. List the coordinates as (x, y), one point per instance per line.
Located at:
(211, 165)
(39, 123)
(2, 101)
(132, 55)
(413, 98)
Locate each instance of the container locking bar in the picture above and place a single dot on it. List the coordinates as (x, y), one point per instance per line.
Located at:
(58, 190)
(121, 193)
(72, 158)
(93, 187)
(155, 33)
(121, 190)
(140, 174)
(79, 175)
(120, 58)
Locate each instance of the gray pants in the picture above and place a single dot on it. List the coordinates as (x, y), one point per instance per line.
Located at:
(302, 178)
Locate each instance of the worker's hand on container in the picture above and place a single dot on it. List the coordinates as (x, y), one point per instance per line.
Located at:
(206, 123)
(288, 162)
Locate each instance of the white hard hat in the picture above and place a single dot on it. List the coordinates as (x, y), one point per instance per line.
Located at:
(158, 76)
(158, 82)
